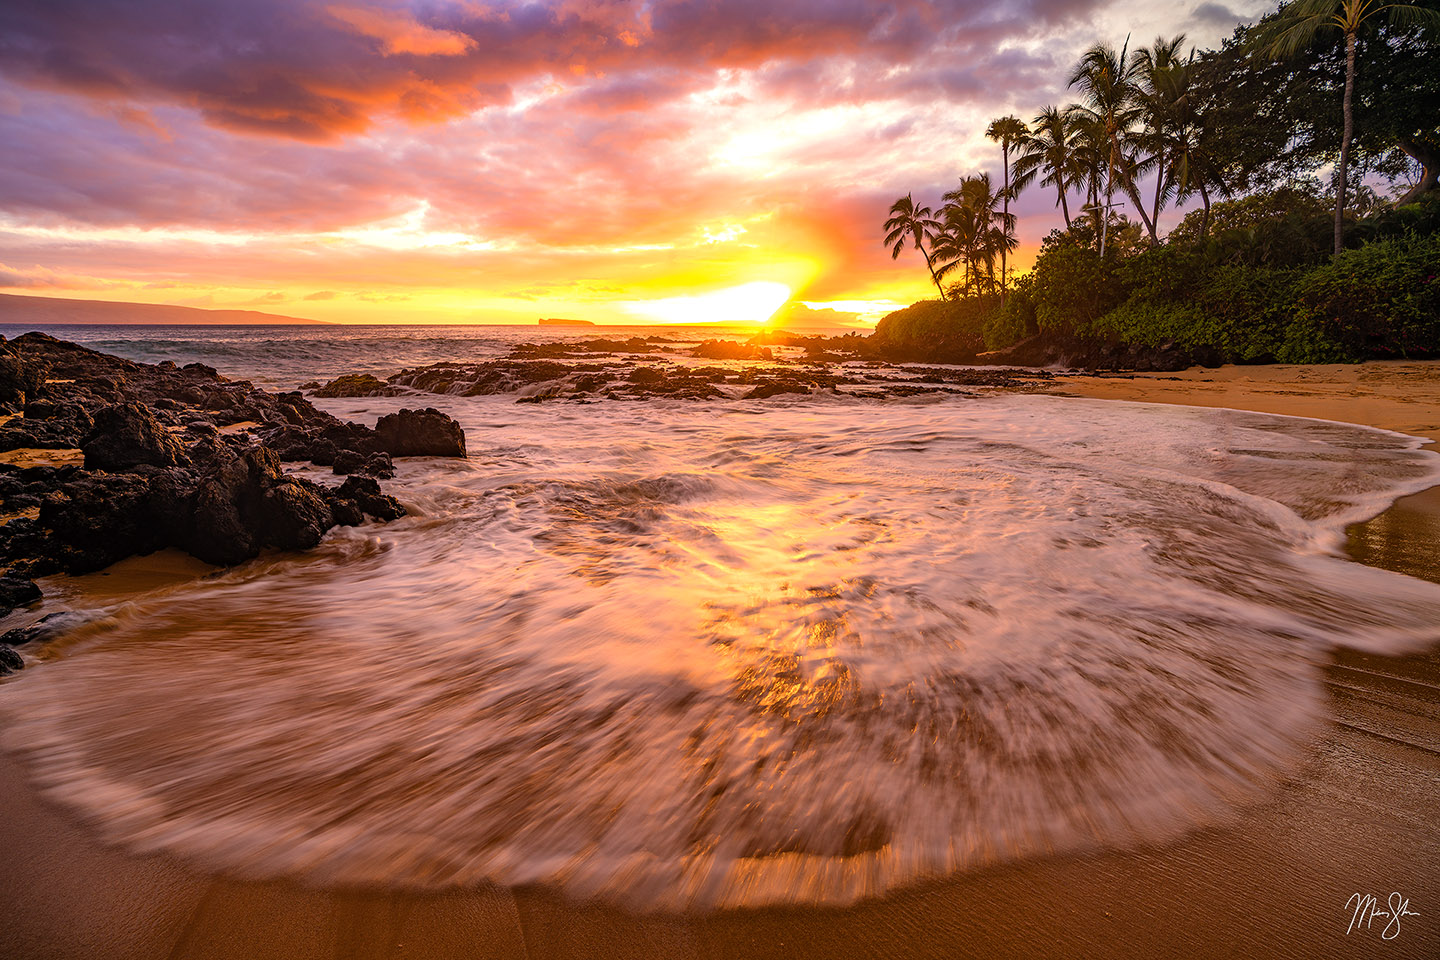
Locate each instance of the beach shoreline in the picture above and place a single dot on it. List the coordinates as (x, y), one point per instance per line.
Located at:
(1274, 880)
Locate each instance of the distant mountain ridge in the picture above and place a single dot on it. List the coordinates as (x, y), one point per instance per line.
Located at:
(22, 310)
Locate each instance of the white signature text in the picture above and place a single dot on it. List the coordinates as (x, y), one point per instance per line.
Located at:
(1365, 909)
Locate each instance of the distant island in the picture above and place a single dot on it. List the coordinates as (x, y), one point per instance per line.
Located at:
(562, 322)
(28, 311)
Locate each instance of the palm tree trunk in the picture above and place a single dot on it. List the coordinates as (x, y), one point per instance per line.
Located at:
(1340, 170)
(1064, 206)
(930, 265)
(1159, 182)
(1105, 210)
(1005, 155)
(1133, 192)
(1205, 217)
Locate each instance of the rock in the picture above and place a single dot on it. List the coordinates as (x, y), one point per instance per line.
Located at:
(20, 378)
(127, 435)
(158, 471)
(97, 519)
(352, 385)
(226, 508)
(294, 516)
(420, 433)
(730, 350)
(347, 461)
(775, 387)
(365, 493)
(49, 627)
(646, 375)
(378, 465)
(347, 513)
(16, 592)
(10, 661)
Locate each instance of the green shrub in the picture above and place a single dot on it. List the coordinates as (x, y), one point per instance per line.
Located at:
(1013, 322)
(1380, 300)
(1071, 288)
(937, 330)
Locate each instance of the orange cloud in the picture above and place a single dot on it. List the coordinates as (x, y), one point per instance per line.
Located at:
(400, 33)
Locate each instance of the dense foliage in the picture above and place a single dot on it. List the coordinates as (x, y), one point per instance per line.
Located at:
(1274, 264)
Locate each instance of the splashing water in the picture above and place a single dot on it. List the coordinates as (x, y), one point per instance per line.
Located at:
(687, 657)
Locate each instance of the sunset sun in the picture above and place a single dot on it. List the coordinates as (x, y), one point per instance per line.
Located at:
(748, 303)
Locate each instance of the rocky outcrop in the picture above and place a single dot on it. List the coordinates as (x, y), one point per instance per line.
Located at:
(353, 385)
(1046, 350)
(20, 378)
(420, 433)
(16, 592)
(158, 469)
(245, 505)
(127, 435)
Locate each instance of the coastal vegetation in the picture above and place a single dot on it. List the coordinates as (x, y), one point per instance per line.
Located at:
(1301, 158)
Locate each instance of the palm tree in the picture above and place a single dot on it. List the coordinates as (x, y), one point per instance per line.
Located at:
(1107, 81)
(1162, 85)
(1050, 148)
(1296, 28)
(1007, 131)
(974, 232)
(1193, 167)
(917, 224)
(1090, 149)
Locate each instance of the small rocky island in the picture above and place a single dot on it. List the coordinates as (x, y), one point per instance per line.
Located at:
(106, 458)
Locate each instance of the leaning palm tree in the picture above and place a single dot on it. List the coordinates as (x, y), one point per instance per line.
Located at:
(1297, 27)
(915, 224)
(1008, 132)
(1107, 81)
(1050, 149)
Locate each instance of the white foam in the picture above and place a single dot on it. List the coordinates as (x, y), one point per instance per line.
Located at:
(694, 656)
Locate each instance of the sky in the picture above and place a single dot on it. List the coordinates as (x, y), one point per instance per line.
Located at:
(465, 161)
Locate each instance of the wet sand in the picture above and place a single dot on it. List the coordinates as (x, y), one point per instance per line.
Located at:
(1363, 817)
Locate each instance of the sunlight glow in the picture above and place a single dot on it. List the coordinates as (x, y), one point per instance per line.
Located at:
(748, 303)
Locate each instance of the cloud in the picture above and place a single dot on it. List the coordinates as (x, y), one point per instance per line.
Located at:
(45, 278)
(401, 34)
(1216, 13)
(519, 147)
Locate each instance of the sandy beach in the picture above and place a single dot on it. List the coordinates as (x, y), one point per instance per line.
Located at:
(1276, 880)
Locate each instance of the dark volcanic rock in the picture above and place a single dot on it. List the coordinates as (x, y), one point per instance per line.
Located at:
(158, 471)
(245, 505)
(10, 661)
(365, 494)
(420, 433)
(353, 385)
(97, 519)
(16, 592)
(295, 514)
(730, 350)
(48, 627)
(127, 435)
(20, 378)
(1046, 350)
(776, 387)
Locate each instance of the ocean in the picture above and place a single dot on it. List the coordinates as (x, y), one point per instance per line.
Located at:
(684, 655)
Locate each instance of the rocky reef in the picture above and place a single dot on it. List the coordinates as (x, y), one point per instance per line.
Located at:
(143, 457)
(769, 365)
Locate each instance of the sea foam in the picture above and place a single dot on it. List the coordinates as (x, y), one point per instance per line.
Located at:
(696, 656)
